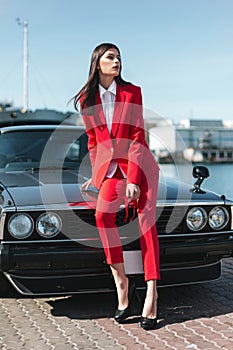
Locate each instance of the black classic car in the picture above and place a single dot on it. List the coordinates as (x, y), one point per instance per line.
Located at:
(48, 240)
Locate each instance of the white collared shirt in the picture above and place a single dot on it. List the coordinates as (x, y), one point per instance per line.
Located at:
(108, 98)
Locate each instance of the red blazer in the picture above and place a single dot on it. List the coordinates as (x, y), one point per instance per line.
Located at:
(126, 143)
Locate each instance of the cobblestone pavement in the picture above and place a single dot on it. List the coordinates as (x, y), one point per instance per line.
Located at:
(190, 317)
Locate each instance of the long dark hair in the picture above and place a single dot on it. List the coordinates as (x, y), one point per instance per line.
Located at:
(87, 95)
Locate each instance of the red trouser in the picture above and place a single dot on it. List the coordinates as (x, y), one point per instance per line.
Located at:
(111, 196)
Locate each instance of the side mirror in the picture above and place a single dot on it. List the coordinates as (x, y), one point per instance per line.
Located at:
(201, 173)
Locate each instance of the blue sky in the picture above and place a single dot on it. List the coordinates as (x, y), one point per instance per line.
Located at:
(179, 51)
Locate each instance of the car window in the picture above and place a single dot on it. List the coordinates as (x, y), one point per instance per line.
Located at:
(21, 150)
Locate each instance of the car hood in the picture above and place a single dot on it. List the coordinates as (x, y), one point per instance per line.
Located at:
(51, 187)
(44, 188)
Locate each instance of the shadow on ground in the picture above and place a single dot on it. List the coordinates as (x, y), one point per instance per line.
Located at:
(176, 304)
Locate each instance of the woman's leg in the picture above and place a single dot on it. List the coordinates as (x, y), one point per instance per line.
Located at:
(150, 256)
(149, 242)
(150, 304)
(111, 196)
(122, 285)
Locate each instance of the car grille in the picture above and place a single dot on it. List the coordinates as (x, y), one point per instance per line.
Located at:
(81, 223)
(171, 220)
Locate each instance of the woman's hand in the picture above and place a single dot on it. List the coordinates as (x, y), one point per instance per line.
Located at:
(132, 192)
(85, 186)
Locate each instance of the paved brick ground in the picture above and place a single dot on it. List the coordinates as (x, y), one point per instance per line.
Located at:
(192, 317)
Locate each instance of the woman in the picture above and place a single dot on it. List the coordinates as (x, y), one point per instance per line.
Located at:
(122, 167)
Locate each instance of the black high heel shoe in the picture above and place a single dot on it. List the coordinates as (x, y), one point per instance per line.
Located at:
(148, 323)
(121, 315)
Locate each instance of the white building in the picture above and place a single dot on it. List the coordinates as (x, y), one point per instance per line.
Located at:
(195, 139)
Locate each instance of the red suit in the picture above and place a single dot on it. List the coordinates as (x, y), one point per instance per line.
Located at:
(126, 144)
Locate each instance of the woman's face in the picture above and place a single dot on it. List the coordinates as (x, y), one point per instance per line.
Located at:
(109, 63)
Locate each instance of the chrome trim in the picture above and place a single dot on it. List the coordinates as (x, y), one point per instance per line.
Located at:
(232, 217)
(38, 127)
(193, 235)
(51, 241)
(2, 224)
(58, 240)
(182, 235)
(50, 207)
(28, 292)
(83, 207)
(189, 203)
(15, 286)
(111, 290)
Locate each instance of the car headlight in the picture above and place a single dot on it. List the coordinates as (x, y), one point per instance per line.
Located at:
(218, 218)
(196, 219)
(20, 226)
(48, 225)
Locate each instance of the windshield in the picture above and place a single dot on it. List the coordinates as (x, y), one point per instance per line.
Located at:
(22, 150)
